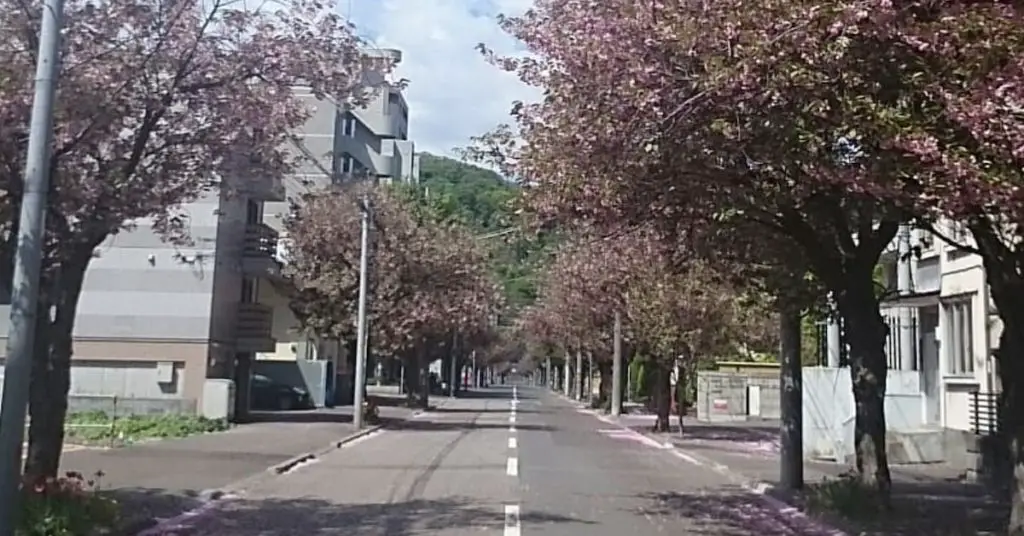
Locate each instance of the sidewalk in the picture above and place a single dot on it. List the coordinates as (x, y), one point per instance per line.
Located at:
(164, 478)
(927, 498)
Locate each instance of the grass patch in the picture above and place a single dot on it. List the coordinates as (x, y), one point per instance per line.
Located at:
(99, 428)
(846, 496)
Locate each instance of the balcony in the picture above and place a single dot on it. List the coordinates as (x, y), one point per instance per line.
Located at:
(259, 252)
(254, 328)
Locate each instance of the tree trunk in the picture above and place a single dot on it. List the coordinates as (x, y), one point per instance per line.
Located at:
(604, 370)
(412, 379)
(422, 369)
(1011, 345)
(242, 376)
(866, 335)
(662, 396)
(1007, 287)
(51, 369)
(682, 384)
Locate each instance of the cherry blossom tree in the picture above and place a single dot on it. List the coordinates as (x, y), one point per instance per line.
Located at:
(675, 312)
(962, 64)
(676, 318)
(429, 282)
(159, 103)
(690, 115)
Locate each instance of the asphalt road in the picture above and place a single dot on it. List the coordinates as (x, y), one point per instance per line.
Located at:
(508, 461)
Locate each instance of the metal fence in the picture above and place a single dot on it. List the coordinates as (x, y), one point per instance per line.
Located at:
(892, 342)
(111, 409)
(984, 412)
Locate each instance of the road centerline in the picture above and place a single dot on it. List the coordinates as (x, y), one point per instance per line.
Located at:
(512, 525)
(512, 467)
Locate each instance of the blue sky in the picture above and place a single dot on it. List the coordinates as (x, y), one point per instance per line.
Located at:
(453, 93)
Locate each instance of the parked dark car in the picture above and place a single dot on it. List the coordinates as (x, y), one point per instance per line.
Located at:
(268, 394)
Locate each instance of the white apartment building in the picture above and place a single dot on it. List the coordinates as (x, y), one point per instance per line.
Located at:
(954, 328)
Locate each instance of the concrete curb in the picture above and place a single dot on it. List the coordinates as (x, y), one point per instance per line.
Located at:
(289, 464)
(751, 485)
(212, 499)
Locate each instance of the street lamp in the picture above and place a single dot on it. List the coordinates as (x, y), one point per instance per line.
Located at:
(361, 331)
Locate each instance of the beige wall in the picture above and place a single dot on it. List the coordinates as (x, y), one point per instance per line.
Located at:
(190, 358)
(285, 326)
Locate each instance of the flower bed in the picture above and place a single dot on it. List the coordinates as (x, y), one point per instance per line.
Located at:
(70, 505)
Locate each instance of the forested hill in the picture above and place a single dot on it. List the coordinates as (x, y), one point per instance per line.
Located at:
(477, 196)
(482, 199)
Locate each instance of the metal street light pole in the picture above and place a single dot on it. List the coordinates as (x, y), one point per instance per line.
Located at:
(27, 262)
(361, 339)
(25, 285)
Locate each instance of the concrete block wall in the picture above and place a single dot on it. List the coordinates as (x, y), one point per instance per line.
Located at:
(721, 397)
(769, 388)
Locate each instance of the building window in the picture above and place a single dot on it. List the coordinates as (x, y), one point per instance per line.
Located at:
(348, 164)
(253, 212)
(250, 290)
(959, 340)
(348, 126)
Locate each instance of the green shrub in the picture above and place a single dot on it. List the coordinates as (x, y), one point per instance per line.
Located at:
(637, 380)
(66, 506)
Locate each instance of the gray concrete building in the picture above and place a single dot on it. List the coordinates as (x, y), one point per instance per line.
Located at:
(157, 320)
(340, 142)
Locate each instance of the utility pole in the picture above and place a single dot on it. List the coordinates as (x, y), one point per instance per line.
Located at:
(905, 287)
(476, 372)
(590, 376)
(617, 366)
(361, 338)
(567, 381)
(833, 336)
(27, 263)
(791, 461)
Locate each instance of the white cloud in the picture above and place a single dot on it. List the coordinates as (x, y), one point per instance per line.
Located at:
(453, 93)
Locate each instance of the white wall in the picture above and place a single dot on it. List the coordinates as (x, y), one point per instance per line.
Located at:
(828, 409)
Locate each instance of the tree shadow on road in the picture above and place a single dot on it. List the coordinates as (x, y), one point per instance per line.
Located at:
(471, 410)
(489, 393)
(441, 426)
(320, 415)
(934, 508)
(735, 512)
(141, 508)
(281, 517)
(729, 512)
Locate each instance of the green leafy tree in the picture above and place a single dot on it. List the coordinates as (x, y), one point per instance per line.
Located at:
(454, 191)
